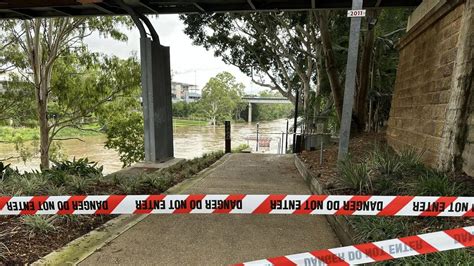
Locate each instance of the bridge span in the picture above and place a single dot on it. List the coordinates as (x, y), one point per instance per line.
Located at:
(268, 100)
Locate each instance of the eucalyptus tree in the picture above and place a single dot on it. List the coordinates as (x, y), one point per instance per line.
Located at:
(36, 45)
(221, 97)
(275, 49)
(288, 50)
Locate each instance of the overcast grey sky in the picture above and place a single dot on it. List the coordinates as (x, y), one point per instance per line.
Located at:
(191, 64)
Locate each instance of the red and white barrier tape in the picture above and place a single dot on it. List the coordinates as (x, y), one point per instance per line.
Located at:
(378, 251)
(240, 204)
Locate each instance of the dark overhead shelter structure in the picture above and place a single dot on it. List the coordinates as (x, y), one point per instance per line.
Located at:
(155, 58)
(59, 8)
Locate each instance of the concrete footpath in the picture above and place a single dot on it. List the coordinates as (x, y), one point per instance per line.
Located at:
(224, 239)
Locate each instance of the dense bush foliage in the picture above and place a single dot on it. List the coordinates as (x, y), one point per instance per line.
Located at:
(125, 134)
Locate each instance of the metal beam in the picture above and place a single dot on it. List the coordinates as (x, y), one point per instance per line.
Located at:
(148, 7)
(251, 4)
(199, 7)
(22, 13)
(62, 11)
(351, 69)
(102, 8)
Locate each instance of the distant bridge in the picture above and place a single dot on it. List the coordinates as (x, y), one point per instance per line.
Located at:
(268, 100)
(256, 99)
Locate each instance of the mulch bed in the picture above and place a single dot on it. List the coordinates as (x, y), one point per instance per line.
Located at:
(359, 147)
(26, 247)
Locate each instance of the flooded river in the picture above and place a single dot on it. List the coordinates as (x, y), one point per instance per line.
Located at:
(189, 142)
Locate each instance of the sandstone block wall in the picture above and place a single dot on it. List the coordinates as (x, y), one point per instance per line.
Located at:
(468, 152)
(422, 87)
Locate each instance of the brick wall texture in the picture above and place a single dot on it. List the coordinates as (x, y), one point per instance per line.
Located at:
(422, 88)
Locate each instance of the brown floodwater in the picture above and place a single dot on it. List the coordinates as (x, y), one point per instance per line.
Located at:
(189, 142)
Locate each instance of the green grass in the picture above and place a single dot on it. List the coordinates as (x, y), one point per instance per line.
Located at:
(185, 123)
(11, 134)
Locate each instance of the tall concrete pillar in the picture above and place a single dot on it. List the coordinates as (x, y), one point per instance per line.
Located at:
(157, 104)
(250, 113)
(156, 93)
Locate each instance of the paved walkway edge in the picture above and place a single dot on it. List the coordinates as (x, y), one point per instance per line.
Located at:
(81, 248)
(339, 224)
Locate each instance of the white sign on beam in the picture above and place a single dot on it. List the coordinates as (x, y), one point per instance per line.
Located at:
(356, 13)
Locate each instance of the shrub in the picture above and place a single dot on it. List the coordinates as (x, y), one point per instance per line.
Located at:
(38, 224)
(354, 175)
(56, 177)
(54, 190)
(410, 158)
(159, 182)
(26, 184)
(69, 219)
(6, 171)
(128, 185)
(3, 169)
(435, 183)
(386, 161)
(125, 134)
(372, 228)
(81, 167)
(77, 184)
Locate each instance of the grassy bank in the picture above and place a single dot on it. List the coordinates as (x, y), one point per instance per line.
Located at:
(11, 134)
(49, 232)
(186, 123)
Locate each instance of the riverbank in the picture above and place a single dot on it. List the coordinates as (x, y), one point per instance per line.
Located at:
(12, 134)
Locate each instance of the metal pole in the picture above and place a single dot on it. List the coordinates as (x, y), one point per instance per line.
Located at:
(282, 139)
(295, 119)
(349, 87)
(256, 148)
(227, 137)
(249, 119)
(286, 141)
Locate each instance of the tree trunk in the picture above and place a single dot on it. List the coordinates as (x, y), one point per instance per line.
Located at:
(44, 130)
(364, 71)
(330, 62)
(319, 72)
